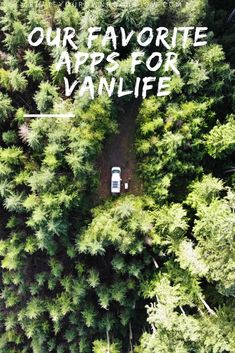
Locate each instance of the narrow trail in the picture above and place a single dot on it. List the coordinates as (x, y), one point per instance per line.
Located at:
(118, 150)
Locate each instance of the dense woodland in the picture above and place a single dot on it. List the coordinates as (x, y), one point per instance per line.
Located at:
(147, 273)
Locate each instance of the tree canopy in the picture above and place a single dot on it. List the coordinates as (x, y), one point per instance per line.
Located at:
(145, 273)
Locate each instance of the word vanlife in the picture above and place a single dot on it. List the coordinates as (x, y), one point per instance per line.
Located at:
(144, 85)
(74, 60)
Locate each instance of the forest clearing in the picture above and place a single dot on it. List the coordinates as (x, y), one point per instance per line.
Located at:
(119, 150)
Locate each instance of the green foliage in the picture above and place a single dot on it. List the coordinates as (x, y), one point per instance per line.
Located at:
(18, 81)
(171, 142)
(220, 140)
(204, 192)
(176, 330)
(45, 97)
(102, 347)
(213, 230)
(9, 137)
(68, 17)
(13, 80)
(134, 14)
(117, 226)
(36, 72)
(5, 106)
(147, 273)
(16, 37)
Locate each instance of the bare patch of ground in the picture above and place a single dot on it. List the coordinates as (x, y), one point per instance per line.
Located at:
(119, 151)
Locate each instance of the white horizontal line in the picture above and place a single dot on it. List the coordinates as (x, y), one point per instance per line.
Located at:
(68, 115)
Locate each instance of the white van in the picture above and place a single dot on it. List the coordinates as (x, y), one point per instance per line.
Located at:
(116, 180)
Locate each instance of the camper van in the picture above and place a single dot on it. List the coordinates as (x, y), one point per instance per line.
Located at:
(116, 180)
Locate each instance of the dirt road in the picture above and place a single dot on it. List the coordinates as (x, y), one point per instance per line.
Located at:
(119, 151)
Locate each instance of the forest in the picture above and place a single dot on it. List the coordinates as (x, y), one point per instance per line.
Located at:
(153, 269)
